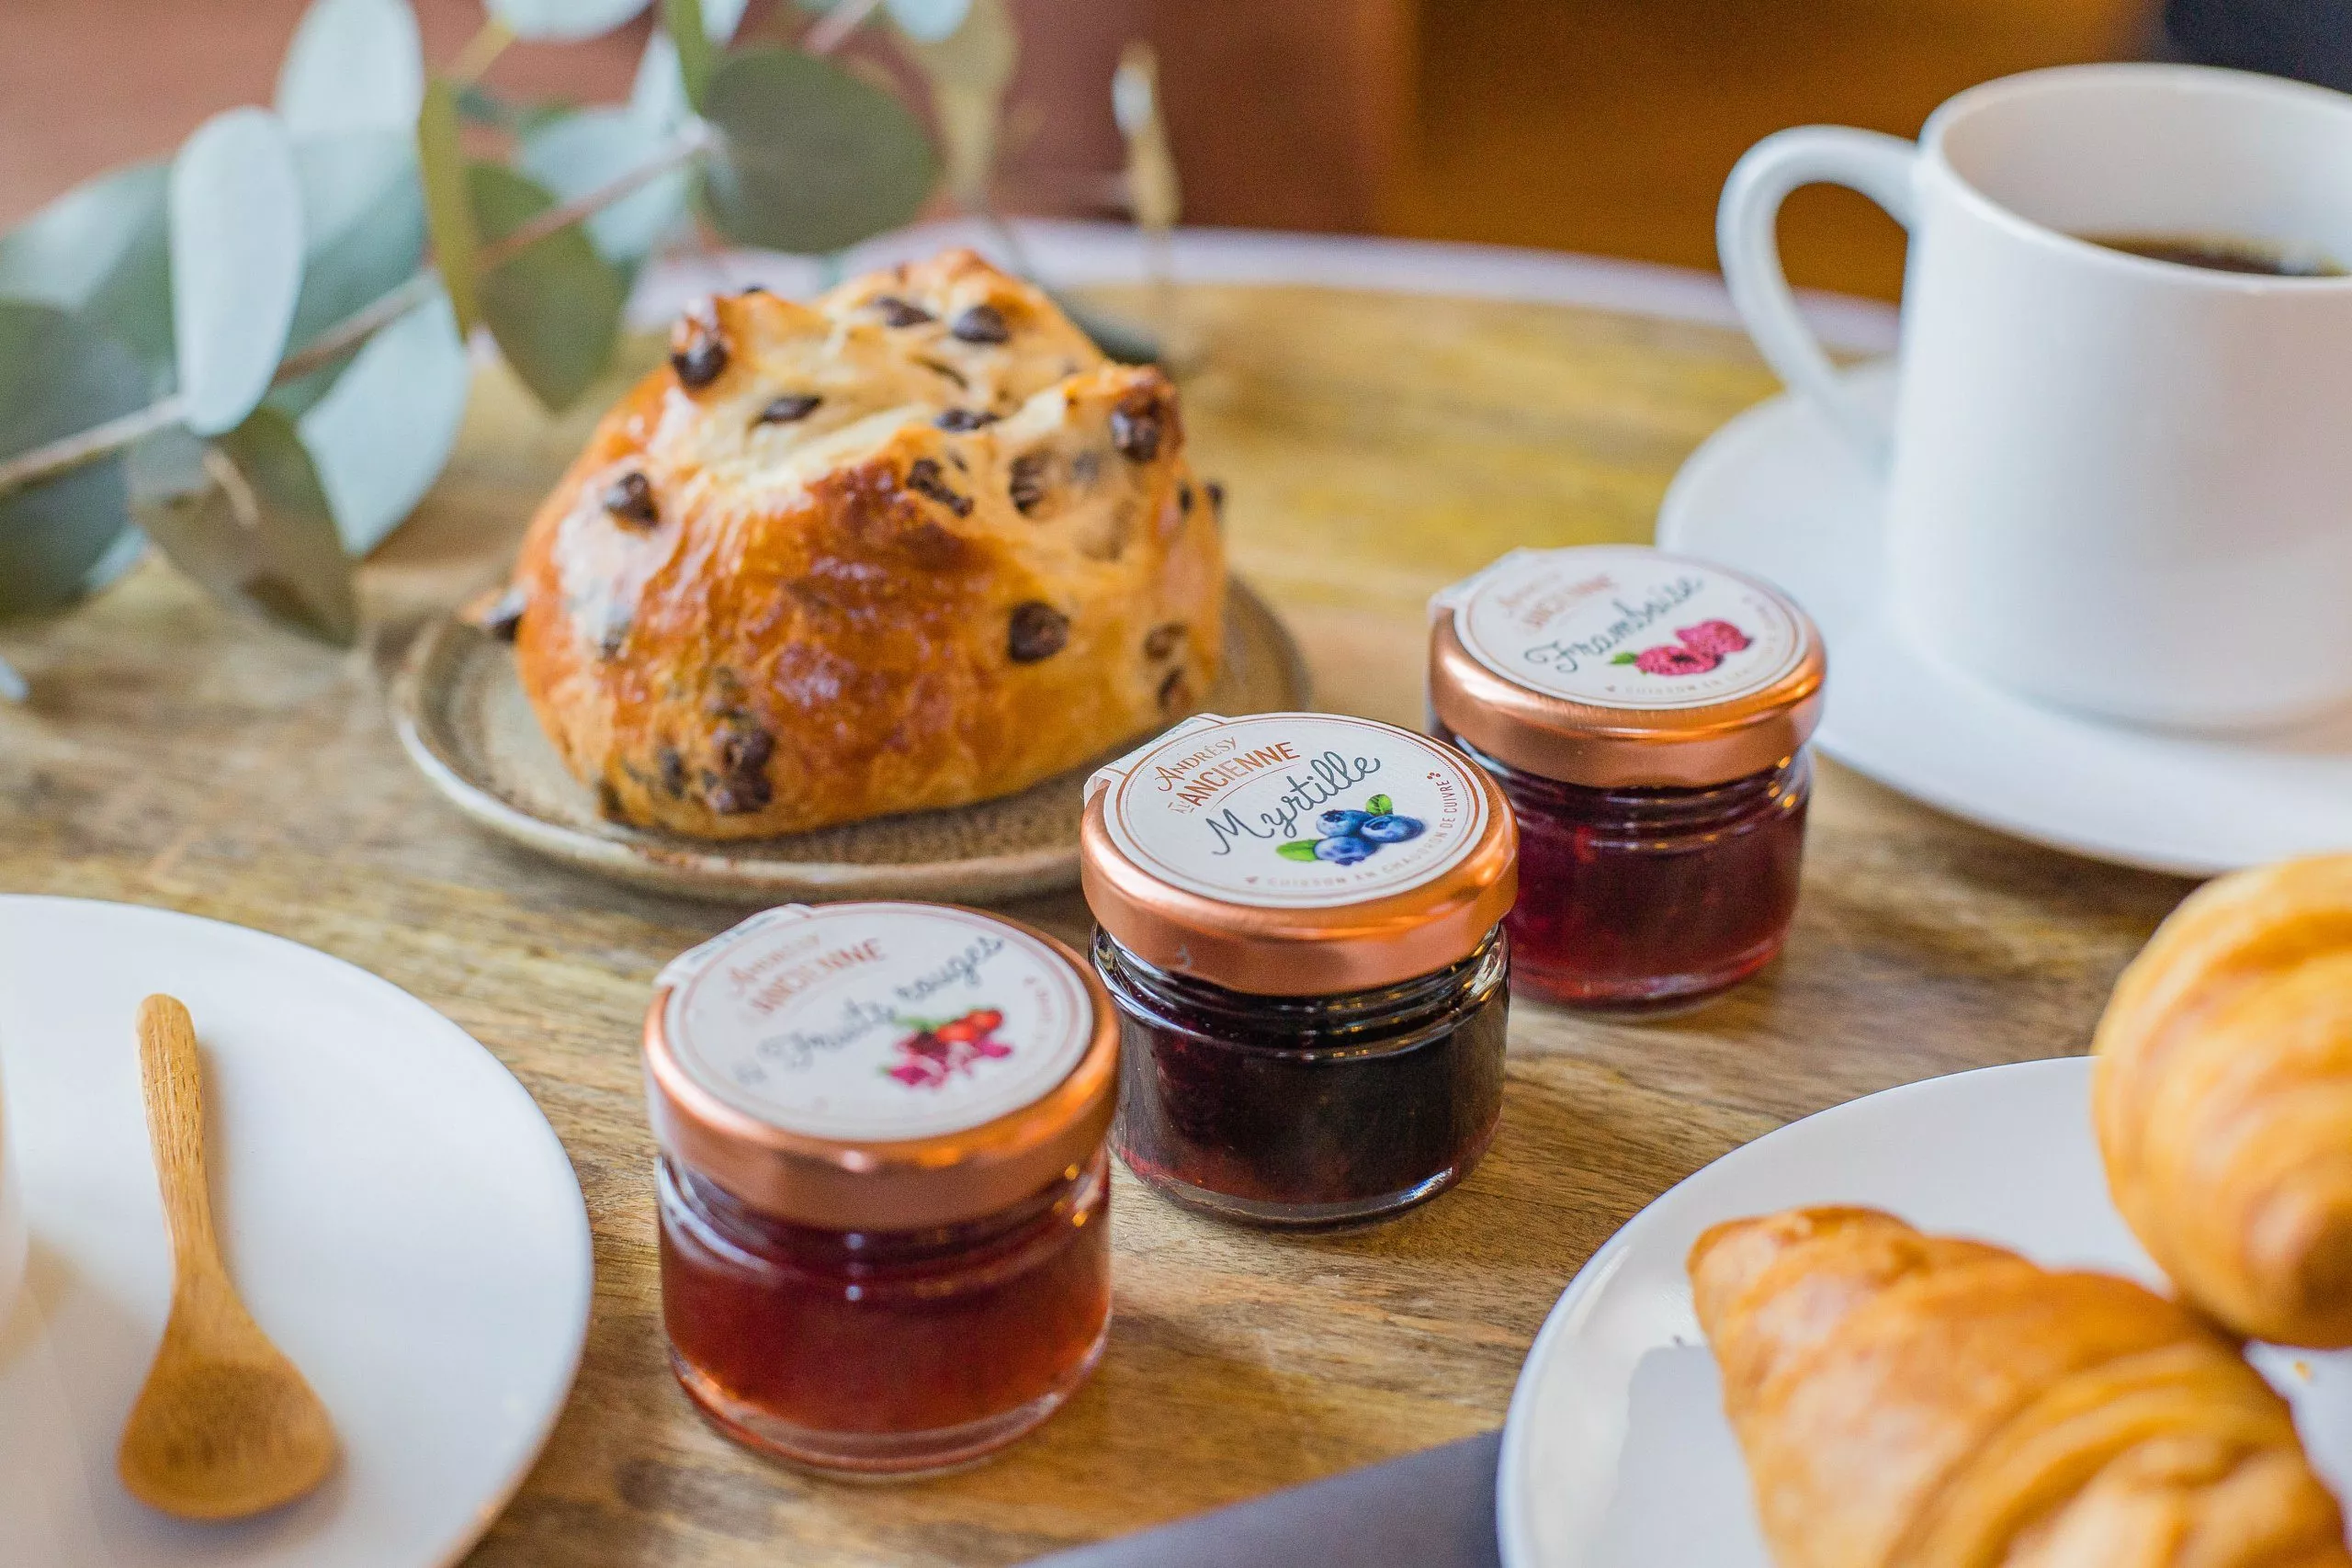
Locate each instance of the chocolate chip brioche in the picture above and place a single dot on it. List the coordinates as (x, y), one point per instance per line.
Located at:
(913, 545)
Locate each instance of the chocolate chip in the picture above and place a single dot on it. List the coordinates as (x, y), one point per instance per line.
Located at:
(739, 797)
(630, 499)
(1028, 481)
(698, 352)
(980, 324)
(673, 772)
(790, 407)
(1217, 497)
(1038, 631)
(925, 478)
(741, 787)
(504, 616)
(964, 419)
(897, 312)
(746, 750)
(1184, 498)
(1135, 426)
(608, 802)
(1164, 640)
(1086, 466)
(1174, 693)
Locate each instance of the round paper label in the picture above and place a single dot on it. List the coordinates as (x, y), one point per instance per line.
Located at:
(1291, 809)
(857, 1021)
(1620, 627)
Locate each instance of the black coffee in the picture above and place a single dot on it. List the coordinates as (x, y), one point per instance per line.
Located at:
(2225, 252)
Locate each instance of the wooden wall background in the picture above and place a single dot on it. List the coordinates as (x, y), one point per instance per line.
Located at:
(1591, 125)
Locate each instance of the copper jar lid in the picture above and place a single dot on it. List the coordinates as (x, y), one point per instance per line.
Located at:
(1613, 666)
(880, 1066)
(1210, 853)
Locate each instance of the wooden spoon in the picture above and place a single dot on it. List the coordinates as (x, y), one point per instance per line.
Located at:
(225, 1426)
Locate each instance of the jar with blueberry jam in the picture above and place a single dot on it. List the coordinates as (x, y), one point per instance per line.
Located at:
(1299, 917)
(883, 1192)
(1646, 715)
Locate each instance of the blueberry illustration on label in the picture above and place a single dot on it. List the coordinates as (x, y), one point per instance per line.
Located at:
(1352, 836)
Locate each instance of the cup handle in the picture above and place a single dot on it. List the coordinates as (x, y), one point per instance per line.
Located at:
(1881, 168)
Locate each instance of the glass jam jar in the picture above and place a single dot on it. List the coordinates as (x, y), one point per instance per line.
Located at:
(883, 1191)
(1299, 921)
(1646, 715)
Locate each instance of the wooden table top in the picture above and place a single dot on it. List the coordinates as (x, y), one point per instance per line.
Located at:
(1376, 447)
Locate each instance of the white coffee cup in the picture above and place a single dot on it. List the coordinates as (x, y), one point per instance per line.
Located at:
(2119, 485)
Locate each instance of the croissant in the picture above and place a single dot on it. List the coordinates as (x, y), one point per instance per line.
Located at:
(2221, 1091)
(1912, 1401)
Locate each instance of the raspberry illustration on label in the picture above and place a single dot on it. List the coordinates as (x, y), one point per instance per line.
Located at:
(934, 1053)
(1699, 650)
(1352, 836)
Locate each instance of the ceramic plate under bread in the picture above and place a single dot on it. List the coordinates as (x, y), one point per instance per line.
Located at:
(1617, 1455)
(463, 717)
(396, 1211)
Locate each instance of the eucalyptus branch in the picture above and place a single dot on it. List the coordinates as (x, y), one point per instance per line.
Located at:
(68, 453)
(834, 26)
(481, 51)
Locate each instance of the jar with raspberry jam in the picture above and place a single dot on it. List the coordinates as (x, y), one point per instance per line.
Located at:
(1646, 715)
(883, 1192)
(1299, 919)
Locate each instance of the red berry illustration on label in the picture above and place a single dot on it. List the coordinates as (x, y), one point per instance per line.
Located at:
(1717, 637)
(1672, 659)
(1701, 648)
(934, 1053)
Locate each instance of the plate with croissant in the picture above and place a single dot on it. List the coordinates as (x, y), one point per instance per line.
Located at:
(2089, 1313)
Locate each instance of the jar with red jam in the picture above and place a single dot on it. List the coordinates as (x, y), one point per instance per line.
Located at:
(1299, 919)
(1646, 715)
(883, 1188)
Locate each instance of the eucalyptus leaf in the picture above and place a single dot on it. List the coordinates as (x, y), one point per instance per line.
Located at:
(928, 21)
(681, 19)
(555, 308)
(380, 436)
(352, 66)
(60, 376)
(809, 157)
(659, 93)
(969, 71)
(363, 220)
(564, 21)
(100, 252)
(583, 152)
(247, 517)
(448, 207)
(236, 247)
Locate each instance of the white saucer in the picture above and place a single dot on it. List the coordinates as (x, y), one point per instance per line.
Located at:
(1777, 493)
(398, 1215)
(1616, 1454)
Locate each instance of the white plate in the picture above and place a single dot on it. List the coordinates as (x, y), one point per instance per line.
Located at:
(1616, 1453)
(1777, 493)
(398, 1215)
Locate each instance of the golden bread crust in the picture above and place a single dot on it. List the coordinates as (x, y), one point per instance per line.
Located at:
(914, 545)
